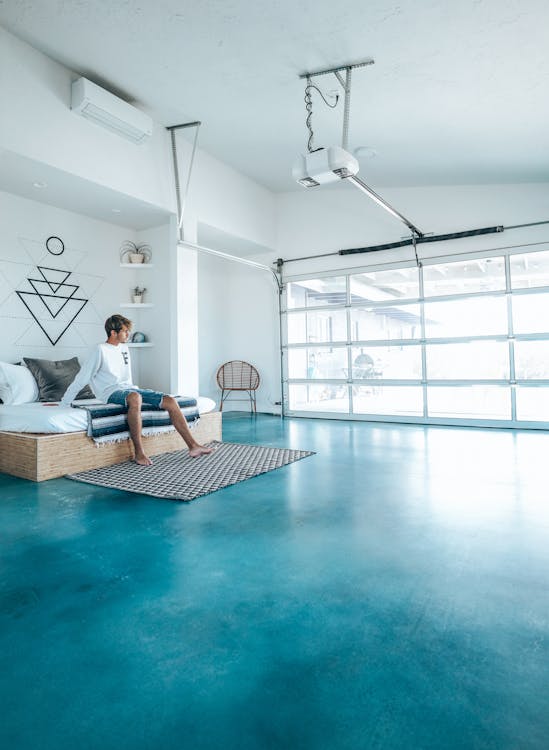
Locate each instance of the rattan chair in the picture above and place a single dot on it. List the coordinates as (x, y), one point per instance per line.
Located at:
(237, 375)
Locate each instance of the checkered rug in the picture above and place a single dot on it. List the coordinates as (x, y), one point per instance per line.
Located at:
(177, 476)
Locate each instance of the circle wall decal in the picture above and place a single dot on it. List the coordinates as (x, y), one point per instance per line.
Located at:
(55, 245)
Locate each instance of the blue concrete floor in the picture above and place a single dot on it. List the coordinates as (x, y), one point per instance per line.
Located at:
(389, 592)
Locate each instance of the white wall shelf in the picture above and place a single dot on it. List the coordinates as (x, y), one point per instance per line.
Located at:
(136, 265)
(140, 346)
(136, 304)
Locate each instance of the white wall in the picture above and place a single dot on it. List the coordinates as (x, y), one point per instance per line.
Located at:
(223, 198)
(91, 255)
(238, 317)
(225, 311)
(37, 122)
(188, 342)
(156, 322)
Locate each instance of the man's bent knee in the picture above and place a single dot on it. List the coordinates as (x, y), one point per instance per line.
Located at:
(134, 400)
(169, 402)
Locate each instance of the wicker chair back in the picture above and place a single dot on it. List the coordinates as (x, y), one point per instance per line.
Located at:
(238, 375)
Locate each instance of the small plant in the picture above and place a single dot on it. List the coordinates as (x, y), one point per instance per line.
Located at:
(137, 294)
(135, 253)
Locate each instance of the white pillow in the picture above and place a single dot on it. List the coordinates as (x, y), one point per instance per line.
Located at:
(17, 384)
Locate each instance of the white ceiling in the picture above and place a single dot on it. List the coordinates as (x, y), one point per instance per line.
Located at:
(457, 95)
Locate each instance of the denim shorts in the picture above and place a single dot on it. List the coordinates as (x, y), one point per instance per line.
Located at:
(151, 398)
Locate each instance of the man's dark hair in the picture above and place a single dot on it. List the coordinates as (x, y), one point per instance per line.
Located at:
(116, 323)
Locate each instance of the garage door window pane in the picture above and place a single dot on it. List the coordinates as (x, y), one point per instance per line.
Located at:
(463, 277)
(317, 292)
(376, 286)
(532, 360)
(477, 360)
(319, 397)
(531, 313)
(532, 404)
(469, 402)
(476, 316)
(529, 270)
(386, 322)
(318, 363)
(317, 327)
(388, 362)
(389, 400)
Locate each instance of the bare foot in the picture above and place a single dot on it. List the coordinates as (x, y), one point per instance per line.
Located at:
(143, 460)
(199, 450)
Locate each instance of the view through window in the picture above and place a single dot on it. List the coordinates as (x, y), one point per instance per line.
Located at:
(461, 340)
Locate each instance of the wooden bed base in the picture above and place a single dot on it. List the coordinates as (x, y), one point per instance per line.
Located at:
(45, 456)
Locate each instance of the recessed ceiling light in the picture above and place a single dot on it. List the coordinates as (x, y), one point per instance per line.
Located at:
(116, 210)
(40, 184)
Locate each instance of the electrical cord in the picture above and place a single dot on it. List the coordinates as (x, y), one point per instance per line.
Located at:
(309, 107)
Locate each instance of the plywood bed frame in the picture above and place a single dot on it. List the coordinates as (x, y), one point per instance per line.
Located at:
(46, 456)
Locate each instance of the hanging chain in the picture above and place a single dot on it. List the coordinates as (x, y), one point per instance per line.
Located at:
(346, 110)
(309, 108)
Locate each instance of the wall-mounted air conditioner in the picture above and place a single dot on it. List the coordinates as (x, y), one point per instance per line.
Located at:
(108, 110)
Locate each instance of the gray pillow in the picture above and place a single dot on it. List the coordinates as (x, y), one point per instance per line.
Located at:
(54, 378)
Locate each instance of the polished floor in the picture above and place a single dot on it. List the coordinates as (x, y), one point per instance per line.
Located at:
(390, 592)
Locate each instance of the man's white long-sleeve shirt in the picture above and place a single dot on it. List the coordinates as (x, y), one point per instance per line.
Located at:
(108, 369)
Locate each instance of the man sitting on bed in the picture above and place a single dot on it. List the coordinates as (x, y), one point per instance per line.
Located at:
(108, 371)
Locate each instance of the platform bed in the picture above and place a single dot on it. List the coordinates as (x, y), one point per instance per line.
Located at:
(46, 456)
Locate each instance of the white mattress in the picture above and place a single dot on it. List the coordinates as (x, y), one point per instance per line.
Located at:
(38, 417)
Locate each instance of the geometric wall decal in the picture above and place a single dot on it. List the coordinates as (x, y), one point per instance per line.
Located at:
(52, 328)
(39, 254)
(15, 272)
(55, 246)
(42, 287)
(89, 284)
(5, 288)
(54, 277)
(33, 249)
(34, 340)
(57, 301)
(52, 303)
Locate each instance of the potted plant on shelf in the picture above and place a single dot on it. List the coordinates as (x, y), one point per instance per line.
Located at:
(137, 294)
(135, 253)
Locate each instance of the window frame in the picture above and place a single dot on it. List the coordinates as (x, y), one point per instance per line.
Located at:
(351, 383)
